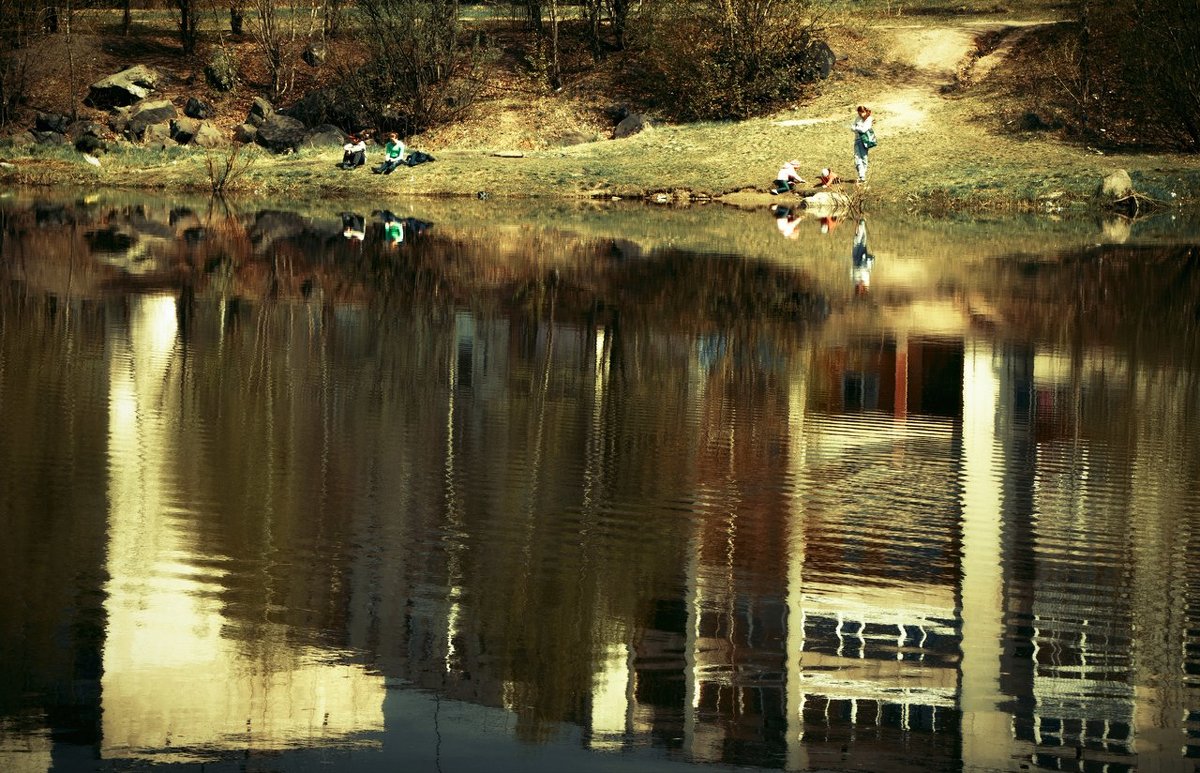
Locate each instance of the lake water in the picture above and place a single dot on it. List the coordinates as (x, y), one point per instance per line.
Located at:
(517, 487)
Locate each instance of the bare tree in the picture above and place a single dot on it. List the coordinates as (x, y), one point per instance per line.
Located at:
(237, 16)
(280, 33)
(189, 24)
(416, 74)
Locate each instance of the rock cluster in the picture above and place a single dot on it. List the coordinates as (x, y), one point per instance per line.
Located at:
(135, 116)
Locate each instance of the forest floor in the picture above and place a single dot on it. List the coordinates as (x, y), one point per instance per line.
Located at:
(941, 86)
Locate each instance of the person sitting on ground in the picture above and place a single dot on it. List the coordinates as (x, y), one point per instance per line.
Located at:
(827, 178)
(786, 178)
(393, 155)
(355, 153)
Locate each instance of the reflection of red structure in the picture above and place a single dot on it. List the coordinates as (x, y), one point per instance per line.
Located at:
(923, 376)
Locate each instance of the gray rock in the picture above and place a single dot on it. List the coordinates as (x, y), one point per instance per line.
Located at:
(148, 113)
(124, 88)
(51, 122)
(632, 124)
(197, 109)
(260, 111)
(18, 140)
(324, 136)
(819, 61)
(208, 136)
(280, 133)
(50, 138)
(1116, 185)
(80, 129)
(184, 129)
(157, 134)
(221, 70)
(119, 125)
(245, 133)
(314, 54)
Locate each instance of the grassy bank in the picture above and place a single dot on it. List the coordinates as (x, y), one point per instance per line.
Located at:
(733, 163)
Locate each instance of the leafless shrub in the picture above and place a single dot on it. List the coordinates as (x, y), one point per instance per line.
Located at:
(227, 166)
(418, 72)
(721, 59)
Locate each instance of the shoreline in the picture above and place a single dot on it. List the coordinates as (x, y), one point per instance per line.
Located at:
(556, 175)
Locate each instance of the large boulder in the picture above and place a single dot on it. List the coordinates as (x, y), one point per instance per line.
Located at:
(184, 129)
(245, 133)
(260, 111)
(208, 136)
(327, 106)
(50, 138)
(77, 130)
(324, 136)
(194, 108)
(147, 114)
(314, 54)
(51, 122)
(157, 136)
(1116, 185)
(123, 88)
(221, 70)
(818, 63)
(632, 124)
(280, 133)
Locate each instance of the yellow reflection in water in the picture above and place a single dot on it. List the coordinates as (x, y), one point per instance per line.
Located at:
(171, 680)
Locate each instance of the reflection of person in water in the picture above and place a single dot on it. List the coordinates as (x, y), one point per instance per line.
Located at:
(393, 230)
(861, 260)
(787, 221)
(354, 227)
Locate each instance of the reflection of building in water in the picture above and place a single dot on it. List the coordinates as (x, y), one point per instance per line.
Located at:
(801, 643)
(172, 679)
(797, 638)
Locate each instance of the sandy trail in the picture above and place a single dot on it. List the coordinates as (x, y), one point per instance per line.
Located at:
(936, 56)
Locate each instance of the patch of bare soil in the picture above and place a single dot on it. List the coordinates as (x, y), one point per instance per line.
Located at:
(938, 59)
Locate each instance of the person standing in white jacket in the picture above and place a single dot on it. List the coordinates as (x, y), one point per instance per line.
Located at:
(861, 126)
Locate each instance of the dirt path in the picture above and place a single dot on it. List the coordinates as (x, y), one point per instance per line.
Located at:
(936, 57)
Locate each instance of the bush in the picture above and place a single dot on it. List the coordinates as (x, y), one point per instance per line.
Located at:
(724, 59)
(416, 75)
(1124, 74)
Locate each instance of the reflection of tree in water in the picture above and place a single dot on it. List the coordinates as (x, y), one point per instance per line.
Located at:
(282, 254)
(1145, 296)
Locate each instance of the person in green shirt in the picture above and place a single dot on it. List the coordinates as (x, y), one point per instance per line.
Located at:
(393, 155)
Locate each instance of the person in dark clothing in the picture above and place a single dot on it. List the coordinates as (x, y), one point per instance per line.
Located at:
(354, 153)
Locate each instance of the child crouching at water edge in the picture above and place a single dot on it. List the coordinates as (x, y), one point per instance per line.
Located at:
(786, 178)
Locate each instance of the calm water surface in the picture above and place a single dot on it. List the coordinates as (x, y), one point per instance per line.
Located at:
(606, 489)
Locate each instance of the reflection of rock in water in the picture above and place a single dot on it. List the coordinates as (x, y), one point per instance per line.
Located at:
(286, 254)
(110, 240)
(1116, 230)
